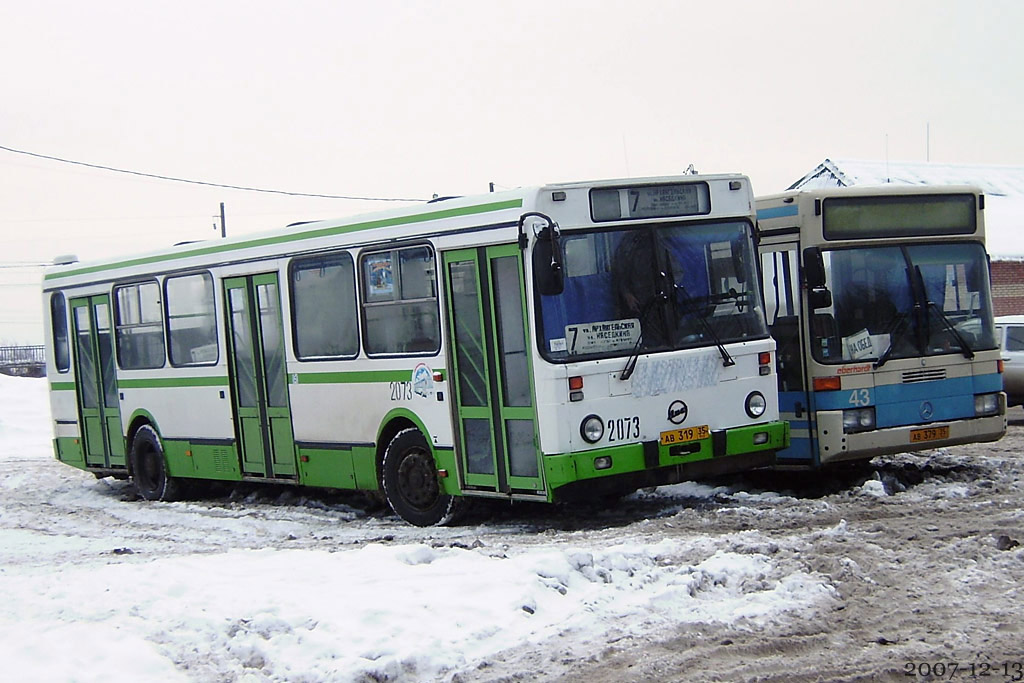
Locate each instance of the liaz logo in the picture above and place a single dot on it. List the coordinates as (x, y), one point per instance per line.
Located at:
(677, 412)
(422, 380)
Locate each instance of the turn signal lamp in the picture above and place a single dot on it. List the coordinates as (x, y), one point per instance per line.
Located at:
(827, 384)
(575, 389)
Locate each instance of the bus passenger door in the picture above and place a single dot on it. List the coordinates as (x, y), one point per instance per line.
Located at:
(491, 374)
(96, 383)
(781, 272)
(263, 420)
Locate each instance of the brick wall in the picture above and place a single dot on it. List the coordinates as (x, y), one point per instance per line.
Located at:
(1008, 287)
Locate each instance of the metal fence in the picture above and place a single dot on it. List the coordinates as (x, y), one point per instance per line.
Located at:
(24, 361)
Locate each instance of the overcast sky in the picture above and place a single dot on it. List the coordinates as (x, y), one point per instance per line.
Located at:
(409, 99)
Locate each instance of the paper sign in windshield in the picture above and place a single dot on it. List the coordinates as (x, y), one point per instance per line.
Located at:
(858, 345)
(603, 337)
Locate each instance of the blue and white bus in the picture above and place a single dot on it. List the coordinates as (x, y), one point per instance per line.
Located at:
(879, 301)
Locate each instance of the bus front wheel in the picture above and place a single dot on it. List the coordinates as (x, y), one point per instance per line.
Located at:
(149, 467)
(410, 482)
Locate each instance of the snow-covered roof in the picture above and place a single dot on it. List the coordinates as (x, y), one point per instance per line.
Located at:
(1002, 185)
(996, 181)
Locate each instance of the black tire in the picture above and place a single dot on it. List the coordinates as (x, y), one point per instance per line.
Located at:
(411, 485)
(149, 467)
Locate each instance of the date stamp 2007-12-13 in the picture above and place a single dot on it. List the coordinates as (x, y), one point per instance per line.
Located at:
(946, 670)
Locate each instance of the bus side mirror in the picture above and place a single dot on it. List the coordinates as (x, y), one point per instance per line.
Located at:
(818, 295)
(548, 273)
(818, 299)
(814, 268)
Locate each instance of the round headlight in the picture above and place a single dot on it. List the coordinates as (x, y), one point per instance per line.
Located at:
(592, 429)
(755, 405)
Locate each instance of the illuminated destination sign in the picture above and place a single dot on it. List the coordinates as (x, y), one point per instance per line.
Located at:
(898, 216)
(649, 201)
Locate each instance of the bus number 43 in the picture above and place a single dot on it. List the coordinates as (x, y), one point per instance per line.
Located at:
(860, 397)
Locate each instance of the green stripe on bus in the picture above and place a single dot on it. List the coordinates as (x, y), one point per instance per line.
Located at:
(356, 377)
(62, 386)
(282, 239)
(162, 382)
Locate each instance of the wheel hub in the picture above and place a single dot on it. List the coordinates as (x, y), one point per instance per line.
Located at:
(417, 479)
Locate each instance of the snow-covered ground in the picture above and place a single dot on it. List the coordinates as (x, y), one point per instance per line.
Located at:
(103, 604)
(281, 585)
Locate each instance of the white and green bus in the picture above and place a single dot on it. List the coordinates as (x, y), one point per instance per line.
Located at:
(880, 302)
(568, 341)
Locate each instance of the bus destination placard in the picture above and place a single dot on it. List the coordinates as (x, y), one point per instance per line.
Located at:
(602, 337)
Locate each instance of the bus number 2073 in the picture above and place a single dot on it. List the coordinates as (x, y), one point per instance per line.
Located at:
(623, 429)
(401, 391)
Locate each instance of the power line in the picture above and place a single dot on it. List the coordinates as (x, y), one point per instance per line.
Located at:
(208, 184)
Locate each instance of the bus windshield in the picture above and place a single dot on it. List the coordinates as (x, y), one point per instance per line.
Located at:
(904, 302)
(652, 288)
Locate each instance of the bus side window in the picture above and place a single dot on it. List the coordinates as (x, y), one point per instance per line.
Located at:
(59, 326)
(324, 307)
(191, 323)
(140, 326)
(400, 306)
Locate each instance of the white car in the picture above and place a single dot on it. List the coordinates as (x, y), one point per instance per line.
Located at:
(1010, 335)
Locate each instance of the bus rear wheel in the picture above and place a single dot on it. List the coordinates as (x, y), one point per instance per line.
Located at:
(411, 485)
(149, 467)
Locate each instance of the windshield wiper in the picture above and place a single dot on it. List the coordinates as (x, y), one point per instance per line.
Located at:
(727, 360)
(664, 297)
(921, 295)
(897, 323)
(965, 348)
(634, 356)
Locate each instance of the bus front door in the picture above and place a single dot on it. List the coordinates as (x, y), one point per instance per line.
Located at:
(780, 266)
(491, 375)
(263, 421)
(96, 383)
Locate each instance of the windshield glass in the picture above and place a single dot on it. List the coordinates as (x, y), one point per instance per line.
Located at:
(904, 302)
(652, 288)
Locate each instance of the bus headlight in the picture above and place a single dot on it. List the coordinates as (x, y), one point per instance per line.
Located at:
(858, 419)
(755, 404)
(986, 404)
(592, 429)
